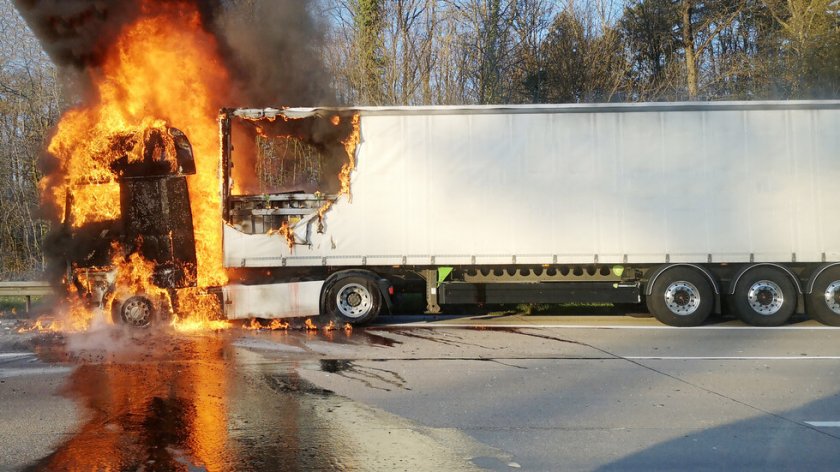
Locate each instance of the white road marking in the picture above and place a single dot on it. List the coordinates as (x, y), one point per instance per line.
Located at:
(15, 355)
(437, 324)
(731, 358)
(824, 424)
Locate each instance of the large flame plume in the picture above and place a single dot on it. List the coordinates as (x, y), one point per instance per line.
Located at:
(162, 71)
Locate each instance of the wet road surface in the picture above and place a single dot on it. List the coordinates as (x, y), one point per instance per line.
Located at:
(491, 394)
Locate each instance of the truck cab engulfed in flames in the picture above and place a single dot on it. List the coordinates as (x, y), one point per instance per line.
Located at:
(154, 223)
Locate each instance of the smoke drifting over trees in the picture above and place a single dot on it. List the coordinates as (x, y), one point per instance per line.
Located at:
(412, 52)
(272, 47)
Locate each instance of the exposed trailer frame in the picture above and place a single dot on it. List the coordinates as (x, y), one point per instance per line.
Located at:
(682, 268)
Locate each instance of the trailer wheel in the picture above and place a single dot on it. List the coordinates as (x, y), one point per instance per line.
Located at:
(823, 302)
(765, 296)
(137, 311)
(681, 297)
(354, 299)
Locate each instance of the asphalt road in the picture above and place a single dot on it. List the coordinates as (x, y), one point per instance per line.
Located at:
(486, 393)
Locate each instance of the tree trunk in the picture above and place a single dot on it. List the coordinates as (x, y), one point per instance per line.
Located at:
(688, 45)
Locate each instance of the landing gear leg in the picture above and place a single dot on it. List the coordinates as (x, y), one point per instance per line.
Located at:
(431, 291)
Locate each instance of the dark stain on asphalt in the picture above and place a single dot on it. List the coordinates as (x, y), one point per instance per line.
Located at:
(335, 365)
(371, 377)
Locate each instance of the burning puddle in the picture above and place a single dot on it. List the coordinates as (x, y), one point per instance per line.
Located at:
(162, 401)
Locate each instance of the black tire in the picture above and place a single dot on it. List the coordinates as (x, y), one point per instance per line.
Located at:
(353, 299)
(764, 296)
(823, 303)
(681, 296)
(137, 311)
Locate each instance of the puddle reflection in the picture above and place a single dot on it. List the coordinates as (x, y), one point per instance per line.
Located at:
(167, 414)
(166, 402)
(158, 401)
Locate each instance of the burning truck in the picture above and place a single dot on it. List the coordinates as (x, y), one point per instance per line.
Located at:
(279, 212)
(327, 210)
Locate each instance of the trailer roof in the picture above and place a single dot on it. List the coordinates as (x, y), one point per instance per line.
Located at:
(303, 112)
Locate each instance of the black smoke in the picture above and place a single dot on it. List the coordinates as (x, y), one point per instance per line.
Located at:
(272, 48)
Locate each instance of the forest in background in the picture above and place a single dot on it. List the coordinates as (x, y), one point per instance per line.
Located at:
(448, 52)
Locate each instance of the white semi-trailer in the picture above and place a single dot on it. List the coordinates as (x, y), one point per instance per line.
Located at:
(686, 206)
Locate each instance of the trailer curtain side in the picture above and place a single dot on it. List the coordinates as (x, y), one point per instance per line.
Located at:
(576, 185)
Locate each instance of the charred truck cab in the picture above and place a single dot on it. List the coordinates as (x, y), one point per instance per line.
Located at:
(689, 207)
(155, 222)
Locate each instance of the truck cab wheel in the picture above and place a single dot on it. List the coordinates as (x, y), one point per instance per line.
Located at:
(137, 311)
(764, 296)
(353, 299)
(681, 297)
(823, 303)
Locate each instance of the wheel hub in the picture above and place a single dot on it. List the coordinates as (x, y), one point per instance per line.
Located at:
(682, 298)
(137, 311)
(832, 296)
(765, 297)
(354, 300)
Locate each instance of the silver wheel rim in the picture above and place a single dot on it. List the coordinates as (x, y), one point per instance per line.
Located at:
(137, 312)
(832, 296)
(766, 297)
(354, 300)
(682, 298)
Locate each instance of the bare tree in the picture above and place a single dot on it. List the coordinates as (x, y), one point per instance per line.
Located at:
(811, 30)
(30, 102)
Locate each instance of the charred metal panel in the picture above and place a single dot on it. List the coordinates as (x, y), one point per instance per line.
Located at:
(161, 153)
(157, 218)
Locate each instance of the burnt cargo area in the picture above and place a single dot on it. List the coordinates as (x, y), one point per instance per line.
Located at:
(280, 170)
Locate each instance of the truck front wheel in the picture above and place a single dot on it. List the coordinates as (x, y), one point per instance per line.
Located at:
(353, 299)
(681, 297)
(137, 311)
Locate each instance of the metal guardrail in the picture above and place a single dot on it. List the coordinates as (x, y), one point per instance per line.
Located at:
(28, 290)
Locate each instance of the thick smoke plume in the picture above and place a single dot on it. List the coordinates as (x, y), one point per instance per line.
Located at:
(271, 47)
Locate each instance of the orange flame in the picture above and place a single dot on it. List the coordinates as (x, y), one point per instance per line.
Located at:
(276, 325)
(310, 326)
(330, 327)
(350, 145)
(348, 328)
(286, 232)
(163, 70)
(253, 325)
(43, 326)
